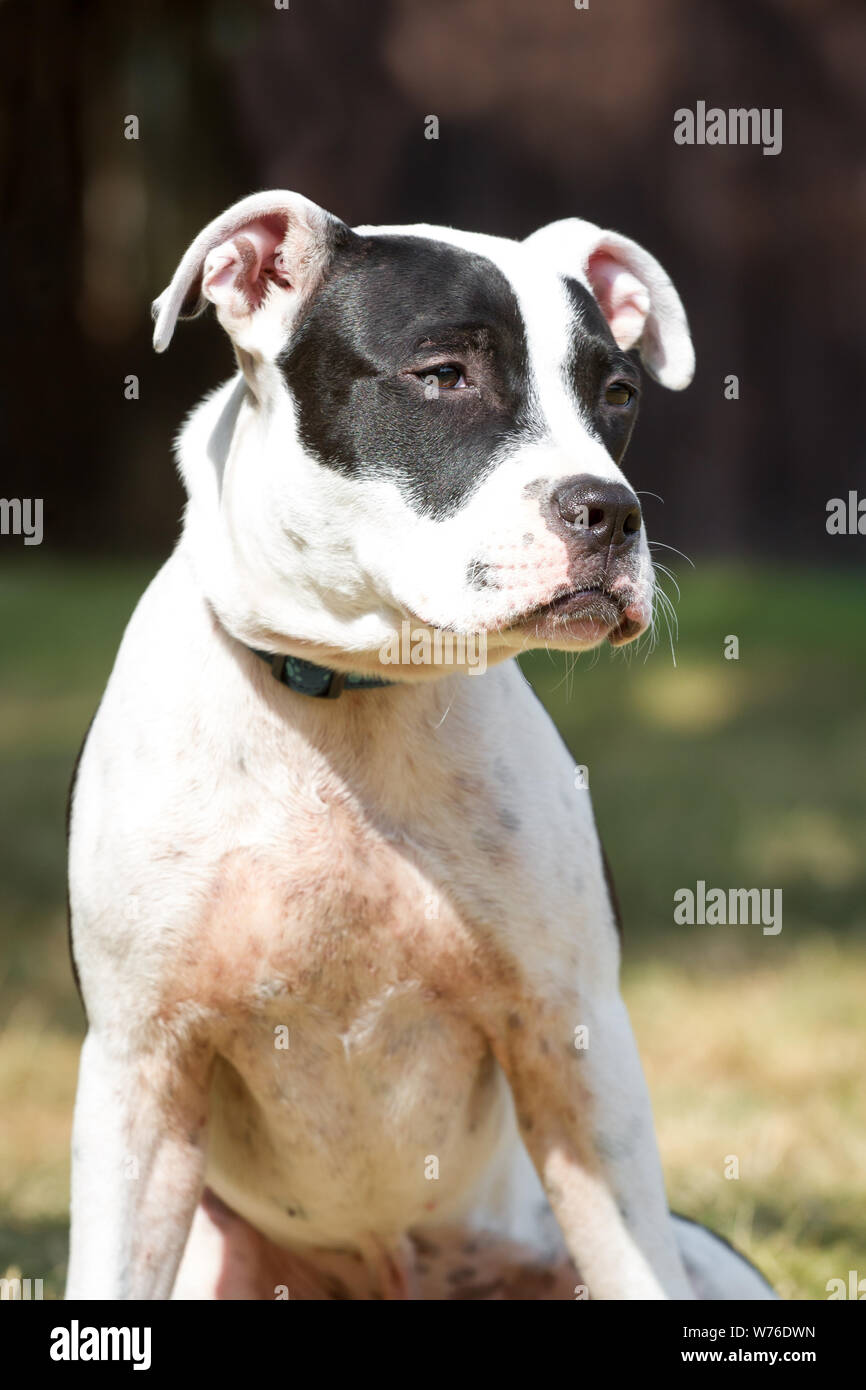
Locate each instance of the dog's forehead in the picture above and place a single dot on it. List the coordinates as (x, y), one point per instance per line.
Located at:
(463, 271)
(396, 283)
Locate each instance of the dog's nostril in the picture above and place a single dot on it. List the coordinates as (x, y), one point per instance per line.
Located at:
(600, 511)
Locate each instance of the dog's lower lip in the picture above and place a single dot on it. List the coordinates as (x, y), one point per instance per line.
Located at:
(572, 602)
(576, 595)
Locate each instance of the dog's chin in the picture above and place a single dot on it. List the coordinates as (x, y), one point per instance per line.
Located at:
(580, 620)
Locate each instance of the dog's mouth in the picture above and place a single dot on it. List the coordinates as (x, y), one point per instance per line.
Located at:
(572, 619)
(589, 613)
(589, 603)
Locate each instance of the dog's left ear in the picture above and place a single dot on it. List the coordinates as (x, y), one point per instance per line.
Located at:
(635, 295)
(257, 263)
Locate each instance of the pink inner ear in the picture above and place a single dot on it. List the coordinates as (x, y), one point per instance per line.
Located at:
(623, 298)
(238, 273)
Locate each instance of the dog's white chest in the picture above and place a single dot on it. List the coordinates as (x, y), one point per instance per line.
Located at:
(352, 1088)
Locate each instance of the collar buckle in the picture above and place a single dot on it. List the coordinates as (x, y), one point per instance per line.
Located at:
(318, 682)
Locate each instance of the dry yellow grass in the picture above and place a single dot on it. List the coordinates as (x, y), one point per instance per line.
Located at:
(37, 1087)
(764, 1066)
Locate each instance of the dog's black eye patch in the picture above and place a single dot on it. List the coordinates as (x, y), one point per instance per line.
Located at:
(595, 362)
(389, 307)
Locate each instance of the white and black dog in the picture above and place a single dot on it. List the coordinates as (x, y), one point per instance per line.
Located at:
(351, 965)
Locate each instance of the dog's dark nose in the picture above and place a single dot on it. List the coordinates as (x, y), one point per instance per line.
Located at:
(606, 513)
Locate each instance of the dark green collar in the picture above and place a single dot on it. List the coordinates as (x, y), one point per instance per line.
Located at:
(320, 682)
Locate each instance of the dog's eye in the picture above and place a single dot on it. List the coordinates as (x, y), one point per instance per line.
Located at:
(619, 393)
(448, 377)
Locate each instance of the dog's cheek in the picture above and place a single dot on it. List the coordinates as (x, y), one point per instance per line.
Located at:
(521, 572)
(490, 563)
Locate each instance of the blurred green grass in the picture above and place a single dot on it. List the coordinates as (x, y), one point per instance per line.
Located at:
(742, 773)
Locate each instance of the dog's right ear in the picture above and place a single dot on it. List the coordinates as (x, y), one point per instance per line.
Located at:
(257, 263)
(632, 290)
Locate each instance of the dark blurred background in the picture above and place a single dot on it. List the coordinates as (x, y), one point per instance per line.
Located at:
(748, 772)
(545, 111)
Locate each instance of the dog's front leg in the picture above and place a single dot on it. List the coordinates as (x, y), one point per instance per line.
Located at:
(137, 1166)
(585, 1118)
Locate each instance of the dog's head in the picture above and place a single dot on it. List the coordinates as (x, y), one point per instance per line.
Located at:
(430, 428)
